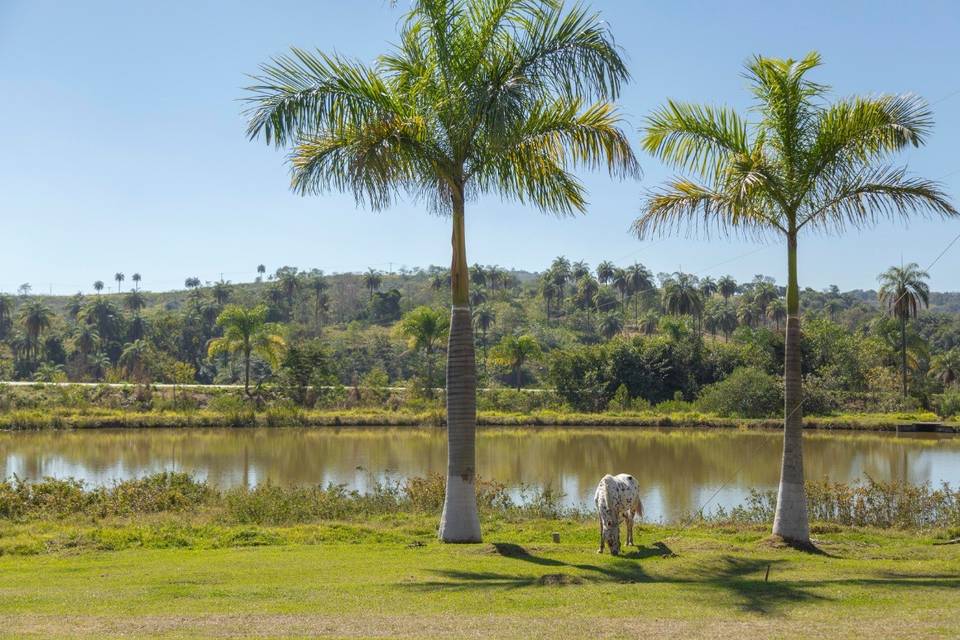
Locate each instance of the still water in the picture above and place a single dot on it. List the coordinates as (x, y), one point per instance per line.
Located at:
(678, 469)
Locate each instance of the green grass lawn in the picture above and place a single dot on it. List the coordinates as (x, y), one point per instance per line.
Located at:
(390, 578)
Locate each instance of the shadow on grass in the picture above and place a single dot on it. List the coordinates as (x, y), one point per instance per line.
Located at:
(756, 585)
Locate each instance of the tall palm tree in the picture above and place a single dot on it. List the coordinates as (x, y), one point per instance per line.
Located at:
(945, 367)
(247, 332)
(134, 301)
(7, 305)
(804, 165)
(578, 270)
(641, 281)
(483, 319)
(98, 286)
(621, 282)
(610, 325)
(119, 277)
(372, 280)
(776, 311)
(136, 280)
(727, 286)
(605, 272)
(35, 318)
(513, 352)
(222, 292)
(134, 359)
(477, 97)
(708, 287)
(425, 329)
(902, 292)
(261, 270)
(321, 301)
(681, 297)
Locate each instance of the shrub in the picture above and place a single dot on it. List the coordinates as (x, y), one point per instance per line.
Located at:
(949, 404)
(745, 393)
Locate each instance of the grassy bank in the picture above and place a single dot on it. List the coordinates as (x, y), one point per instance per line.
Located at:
(169, 556)
(103, 406)
(391, 577)
(98, 418)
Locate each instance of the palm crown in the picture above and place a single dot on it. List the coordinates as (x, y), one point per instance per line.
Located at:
(803, 164)
(479, 96)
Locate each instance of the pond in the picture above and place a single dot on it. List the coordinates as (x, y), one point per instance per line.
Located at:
(679, 470)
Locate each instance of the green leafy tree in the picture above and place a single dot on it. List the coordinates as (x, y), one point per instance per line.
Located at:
(727, 287)
(247, 332)
(35, 318)
(372, 281)
(425, 329)
(7, 305)
(513, 352)
(804, 164)
(903, 291)
(476, 97)
(605, 272)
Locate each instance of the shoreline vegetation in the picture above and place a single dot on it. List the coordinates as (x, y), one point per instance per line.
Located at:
(69, 406)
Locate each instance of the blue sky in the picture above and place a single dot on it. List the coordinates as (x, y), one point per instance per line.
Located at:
(122, 142)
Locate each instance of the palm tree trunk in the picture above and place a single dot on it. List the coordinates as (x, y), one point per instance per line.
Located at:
(460, 521)
(790, 521)
(246, 371)
(903, 353)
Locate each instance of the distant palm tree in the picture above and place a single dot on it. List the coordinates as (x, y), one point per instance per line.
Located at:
(804, 163)
(708, 286)
(479, 97)
(222, 292)
(605, 272)
(425, 329)
(641, 281)
(681, 297)
(621, 282)
(98, 286)
(318, 284)
(587, 290)
(372, 281)
(483, 319)
(610, 325)
(192, 282)
(727, 286)
(478, 275)
(7, 305)
(134, 359)
(261, 269)
(578, 270)
(35, 318)
(777, 311)
(477, 297)
(514, 352)
(747, 313)
(136, 280)
(119, 277)
(945, 368)
(135, 301)
(247, 332)
(902, 292)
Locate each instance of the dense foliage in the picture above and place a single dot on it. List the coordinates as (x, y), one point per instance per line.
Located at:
(585, 334)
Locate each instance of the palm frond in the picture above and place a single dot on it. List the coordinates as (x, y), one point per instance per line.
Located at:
(698, 209)
(863, 198)
(694, 137)
(302, 93)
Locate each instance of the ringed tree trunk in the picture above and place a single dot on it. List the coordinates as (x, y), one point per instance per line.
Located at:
(790, 521)
(460, 521)
(903, 353)
(246, 370)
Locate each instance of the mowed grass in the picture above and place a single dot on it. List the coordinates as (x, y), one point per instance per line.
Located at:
(391, 578)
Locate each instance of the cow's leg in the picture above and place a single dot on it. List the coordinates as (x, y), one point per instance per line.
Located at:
(630, 527)
(600, 550)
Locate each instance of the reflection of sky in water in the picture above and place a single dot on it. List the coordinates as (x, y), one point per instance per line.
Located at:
(679, 470)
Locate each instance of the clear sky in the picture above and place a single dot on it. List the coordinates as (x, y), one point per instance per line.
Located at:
(122, 143)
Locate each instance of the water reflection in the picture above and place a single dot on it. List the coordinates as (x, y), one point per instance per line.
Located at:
(679, 469)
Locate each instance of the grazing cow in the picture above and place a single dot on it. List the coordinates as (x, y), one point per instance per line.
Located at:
(617, 497)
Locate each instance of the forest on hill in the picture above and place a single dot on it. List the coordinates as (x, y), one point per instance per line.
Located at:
(613, 333)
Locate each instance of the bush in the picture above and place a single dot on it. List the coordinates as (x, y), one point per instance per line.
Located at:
(949, 404)
(745, 393)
